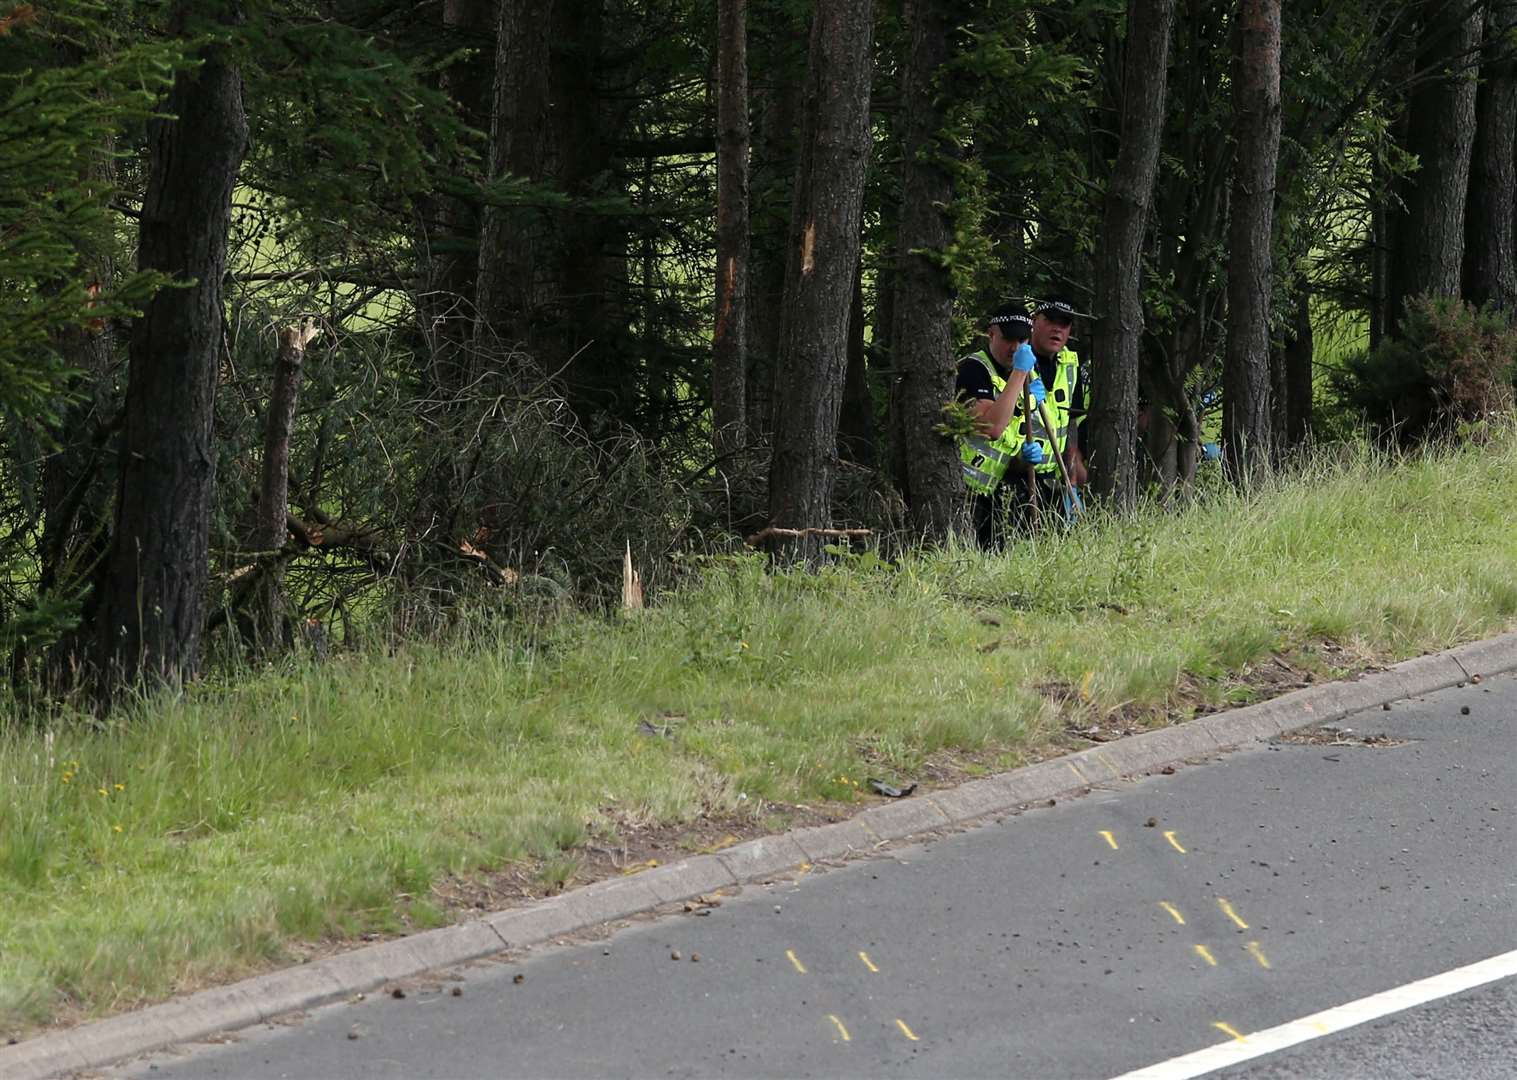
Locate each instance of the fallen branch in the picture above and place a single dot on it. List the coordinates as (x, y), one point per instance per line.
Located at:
(795, 534)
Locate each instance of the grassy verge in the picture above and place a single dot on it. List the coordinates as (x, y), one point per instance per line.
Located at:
(200, 839)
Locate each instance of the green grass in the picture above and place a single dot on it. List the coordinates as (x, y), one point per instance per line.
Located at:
(196, 840)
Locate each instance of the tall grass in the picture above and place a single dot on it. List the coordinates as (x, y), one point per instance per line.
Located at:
(196, 839)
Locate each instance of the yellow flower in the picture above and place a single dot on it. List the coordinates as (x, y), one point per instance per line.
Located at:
(120, 787)
(104, 792)
(67, 778)
(116, 828)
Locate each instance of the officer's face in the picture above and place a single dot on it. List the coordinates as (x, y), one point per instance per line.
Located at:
(1001, 347)
(1050, 333)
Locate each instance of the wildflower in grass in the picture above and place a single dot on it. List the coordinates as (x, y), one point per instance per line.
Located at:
(116, 828)
(104, 792)
(120, 787)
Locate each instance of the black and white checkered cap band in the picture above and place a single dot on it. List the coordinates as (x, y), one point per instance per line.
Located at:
(997, 320)
(1047, 307)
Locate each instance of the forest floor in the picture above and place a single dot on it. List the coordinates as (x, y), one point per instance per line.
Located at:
(309, 807)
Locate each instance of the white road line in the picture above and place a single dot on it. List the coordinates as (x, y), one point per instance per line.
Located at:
(1331, 1021)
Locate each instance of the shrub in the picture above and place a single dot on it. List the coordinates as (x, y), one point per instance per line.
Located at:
(1449, 374)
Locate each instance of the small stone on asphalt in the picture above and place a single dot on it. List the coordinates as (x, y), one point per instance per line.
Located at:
(1464, 710)
(397, 993)
(518, 979)
(674, 955)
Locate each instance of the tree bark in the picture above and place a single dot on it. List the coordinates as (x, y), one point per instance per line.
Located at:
(1118, 331)
(729, 339)
(825, 235)
(514, 241)
(1300, 351)
(922, 331)
(1490, 262)
(1247, 432)
(777, 108)
(153, 609)
(1428, 235)
(449, 232)
(581, 332)
(856, 422)
(267, 610)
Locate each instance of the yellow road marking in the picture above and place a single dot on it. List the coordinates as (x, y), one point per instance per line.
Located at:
(1227, 909)
(1110, 839)
(1258, 954)
(1228, 1029)
(1205, 954)
(796, 961)
(1078, 774)
(1170, 836)
(842, 1031)
(1173, 912)
(868, 963)
(906, 1031)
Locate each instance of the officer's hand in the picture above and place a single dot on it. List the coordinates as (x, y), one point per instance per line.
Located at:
(1035, 387)
(1032, 453)
(1023, 359)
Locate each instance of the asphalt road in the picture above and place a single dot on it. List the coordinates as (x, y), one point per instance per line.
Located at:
(1088, 939)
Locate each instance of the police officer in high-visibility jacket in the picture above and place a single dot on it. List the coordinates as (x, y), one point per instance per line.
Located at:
(1053, 321)
(990, 382)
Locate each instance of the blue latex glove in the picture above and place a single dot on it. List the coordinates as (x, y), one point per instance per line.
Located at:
(1023, 359)
(1032, 453)
(1035, 388)
(1211, 452)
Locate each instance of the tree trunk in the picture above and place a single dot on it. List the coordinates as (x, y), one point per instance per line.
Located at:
(1118, 331)
(265, 606)
(922, 332)
(1490, 263)
(1299, 356)
(449, 232)
(152, 609)
(856, 422)
(825, 235)
(1247, 432)
(1428, 235)
(729, 340)
(514, 243)
(772, 178)
(580, 332)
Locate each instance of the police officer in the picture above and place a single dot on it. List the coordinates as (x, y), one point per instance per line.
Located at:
(990, 382)
(1058, 367)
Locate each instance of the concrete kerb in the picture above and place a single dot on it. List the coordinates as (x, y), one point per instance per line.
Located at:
(762, 858)
(1489, 657)
(837, 840)
(905, 817)
(310, 985)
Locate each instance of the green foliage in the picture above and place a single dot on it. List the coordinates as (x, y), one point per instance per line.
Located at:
(958, 421)
(1450, 372)
(68, 87)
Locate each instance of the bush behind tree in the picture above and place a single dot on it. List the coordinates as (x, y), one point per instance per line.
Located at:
(1450, 374)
